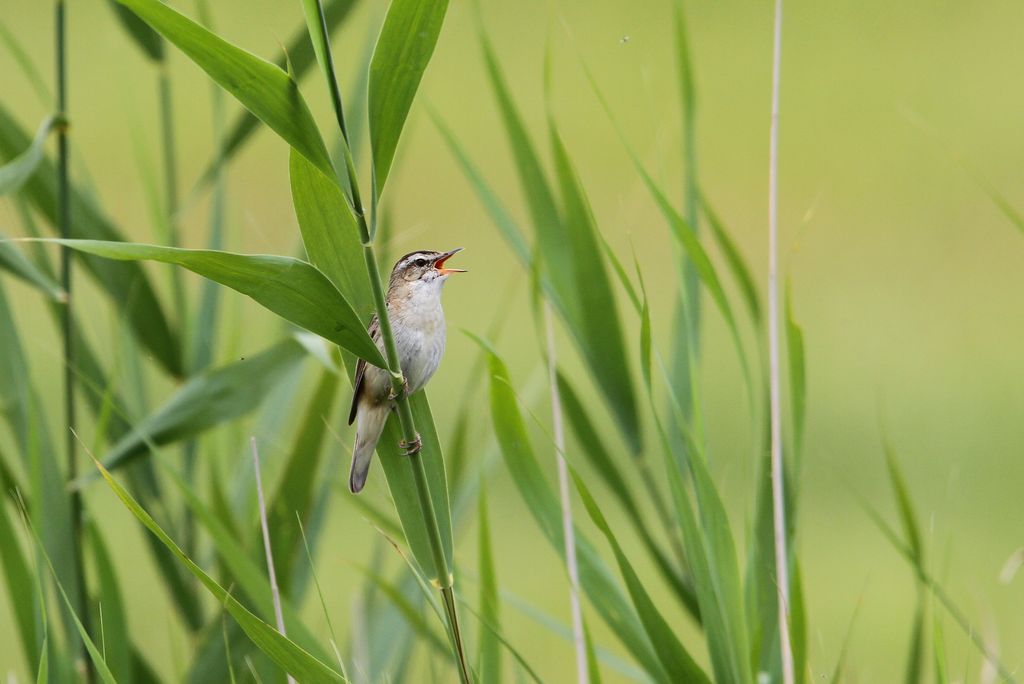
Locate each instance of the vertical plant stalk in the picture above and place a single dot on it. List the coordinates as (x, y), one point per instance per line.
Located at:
(275, 591)
(778, 494)
(67, 330)
(445, 580)
(170, 173)
(568, 531)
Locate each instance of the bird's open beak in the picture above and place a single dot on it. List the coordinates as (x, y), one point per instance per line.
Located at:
(439, 262)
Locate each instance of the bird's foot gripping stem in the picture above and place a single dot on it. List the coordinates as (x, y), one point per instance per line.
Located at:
(405, 383)
(411, 448)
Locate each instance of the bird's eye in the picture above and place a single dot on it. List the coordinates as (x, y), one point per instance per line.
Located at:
(420, 262)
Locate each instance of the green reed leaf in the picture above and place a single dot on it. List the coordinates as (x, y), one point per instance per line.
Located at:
(599, 333)
(144, 37)
(293, 289)
(596, 452)
(679, 665)
(262, 88)
(404, 48)
(250, 577)
(540, 199)
(298, 54)
(595, 579)
(330, 233)
(285, 653)
(207, 400)
(402, 485)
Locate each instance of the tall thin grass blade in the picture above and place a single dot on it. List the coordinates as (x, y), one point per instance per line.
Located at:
(404, 48)
(43, 671)
(488, 198)
(537, 191)
(411, 613)
(913, 671)
(263, 88)
(685, 235)
(489, 658)
(797, 381)
(95, 655)
(126, 284)
(939, 651)
(516, 655)
(798, 625)
(117, 643)
(687, 315)
(706, 537)
(676, 660)
(293, 289)
(728, 640)
(23, 411)
(941, 595)
(734, 259)
(18, 579)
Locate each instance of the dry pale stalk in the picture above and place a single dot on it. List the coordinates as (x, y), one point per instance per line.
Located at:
(778, 500)
(568, 532)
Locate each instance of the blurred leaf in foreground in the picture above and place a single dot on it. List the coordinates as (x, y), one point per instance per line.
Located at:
(14, 173)
(126, 284)
(209, 399)
(263, 88)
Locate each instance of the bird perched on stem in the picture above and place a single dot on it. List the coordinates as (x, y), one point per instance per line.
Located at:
(417, 323)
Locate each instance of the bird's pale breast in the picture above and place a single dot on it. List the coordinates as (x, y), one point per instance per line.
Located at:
(419, 335)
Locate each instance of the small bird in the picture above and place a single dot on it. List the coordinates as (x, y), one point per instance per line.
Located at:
(417, 322)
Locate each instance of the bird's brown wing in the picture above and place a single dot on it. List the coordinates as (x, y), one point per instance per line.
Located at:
(374, 331)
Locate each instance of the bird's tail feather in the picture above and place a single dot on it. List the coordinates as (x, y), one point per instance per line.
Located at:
(370, 421)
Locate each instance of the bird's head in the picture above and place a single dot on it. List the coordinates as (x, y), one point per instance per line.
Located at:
(423, 267)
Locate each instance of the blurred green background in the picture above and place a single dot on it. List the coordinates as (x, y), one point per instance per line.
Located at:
(907, 280)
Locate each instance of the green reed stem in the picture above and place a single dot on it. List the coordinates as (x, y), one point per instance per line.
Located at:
(445, 579)
(67, 330)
